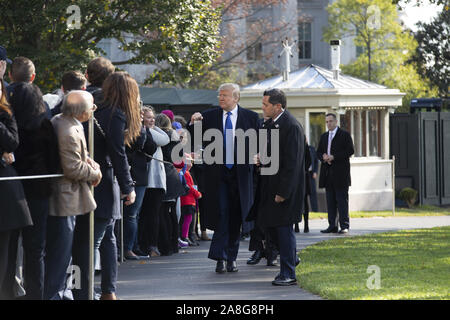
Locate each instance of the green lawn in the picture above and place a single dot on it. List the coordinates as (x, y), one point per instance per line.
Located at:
(399, 212)
(413, 264)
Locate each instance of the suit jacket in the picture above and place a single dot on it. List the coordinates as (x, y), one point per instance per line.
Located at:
(71, 195)
(338, 173)
(289, 181)
(213, 119)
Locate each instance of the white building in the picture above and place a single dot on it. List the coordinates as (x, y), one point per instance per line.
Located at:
(363, 110)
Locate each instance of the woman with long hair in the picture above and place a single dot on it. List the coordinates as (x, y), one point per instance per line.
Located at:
(14, 214)
(117, 125)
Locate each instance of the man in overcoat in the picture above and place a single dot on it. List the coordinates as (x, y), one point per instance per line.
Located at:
(228, 185)
(282, 194)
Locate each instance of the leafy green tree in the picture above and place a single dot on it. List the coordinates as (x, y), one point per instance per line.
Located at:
(178, 36)
(386, 47)
(433, 52)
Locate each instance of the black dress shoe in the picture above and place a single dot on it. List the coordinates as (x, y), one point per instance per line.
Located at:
(255, 258)
(281, 281)
(232, 266)
(330, 230)
(220, 267)
(272, 262)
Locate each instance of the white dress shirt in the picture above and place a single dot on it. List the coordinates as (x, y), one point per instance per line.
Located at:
(233, 118)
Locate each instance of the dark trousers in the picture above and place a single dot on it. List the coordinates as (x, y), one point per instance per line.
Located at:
(284, 237)
(261, 241)
(34, 247)
(131, 218)
(105, 241)
(225, 241)
(202, 214)
(337, 201)
(168, 228)
(149, 219)
(4, 261)
(313, 193)
(58, 256)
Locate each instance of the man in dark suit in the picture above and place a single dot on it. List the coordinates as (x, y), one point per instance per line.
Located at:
(282, 193)
(228, 185)
(334, 151)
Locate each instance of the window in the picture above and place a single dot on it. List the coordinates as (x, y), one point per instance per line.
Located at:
(374, 133)
(316, 127)
(304, 40)
(254, 52)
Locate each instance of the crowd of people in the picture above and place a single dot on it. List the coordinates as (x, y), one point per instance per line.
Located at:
(45, 225)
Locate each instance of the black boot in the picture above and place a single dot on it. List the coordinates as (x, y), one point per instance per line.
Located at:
(305, 219)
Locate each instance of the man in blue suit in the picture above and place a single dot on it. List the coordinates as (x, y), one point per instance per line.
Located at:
(228, 188)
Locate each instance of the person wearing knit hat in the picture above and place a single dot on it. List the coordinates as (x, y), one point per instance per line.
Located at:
(168, 113)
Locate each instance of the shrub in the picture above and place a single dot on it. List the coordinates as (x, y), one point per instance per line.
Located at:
(409, 195)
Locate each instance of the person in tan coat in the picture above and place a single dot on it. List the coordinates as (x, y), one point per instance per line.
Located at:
(71, 194)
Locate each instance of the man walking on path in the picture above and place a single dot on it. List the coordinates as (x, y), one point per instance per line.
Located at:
(228, 192)
(282, 194)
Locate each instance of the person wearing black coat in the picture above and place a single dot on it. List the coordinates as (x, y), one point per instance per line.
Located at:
(111, 132)
(334, 151)
(228, 186)
(139, 160)
(14, 214)
(32, 157)
(282, 193)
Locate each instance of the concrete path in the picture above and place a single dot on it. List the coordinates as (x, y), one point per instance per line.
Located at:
(191, 276)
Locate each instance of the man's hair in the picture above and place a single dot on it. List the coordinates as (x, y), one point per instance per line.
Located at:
(74, 107)
(98, 70)
(233, 87)
(276, 96)
(331, 115)
(73, 80)
(22, 69)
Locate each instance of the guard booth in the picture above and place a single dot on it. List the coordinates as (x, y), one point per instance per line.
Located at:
(429, 104)
(420, 143)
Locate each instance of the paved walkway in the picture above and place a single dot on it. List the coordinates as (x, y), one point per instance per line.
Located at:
(191, 276)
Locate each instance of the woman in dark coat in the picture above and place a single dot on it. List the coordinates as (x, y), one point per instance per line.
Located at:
(118, 125)
(14, 213)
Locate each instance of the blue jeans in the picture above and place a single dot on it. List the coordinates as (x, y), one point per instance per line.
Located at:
(34, 247)
(105, 240)
(58, 256)
(130, 219)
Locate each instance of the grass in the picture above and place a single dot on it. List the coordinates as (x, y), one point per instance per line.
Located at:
(413, 264)
(399, 212)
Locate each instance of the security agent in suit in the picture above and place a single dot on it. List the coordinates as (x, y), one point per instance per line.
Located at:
(71, 194)
(282, 194)
(228, 188)
(334, 151)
